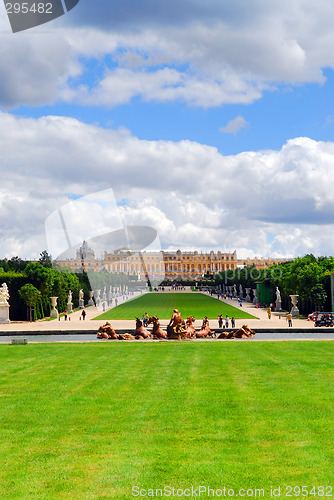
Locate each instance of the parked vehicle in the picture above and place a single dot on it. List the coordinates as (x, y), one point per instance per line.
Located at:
(322, 318)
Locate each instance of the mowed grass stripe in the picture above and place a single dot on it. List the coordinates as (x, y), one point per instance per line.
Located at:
(89, 421)
(162, 305)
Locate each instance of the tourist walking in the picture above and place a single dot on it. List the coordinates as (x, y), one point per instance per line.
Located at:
(233, 322)
(269, 312)
(83, 314)
(226, 321)
(289, 319)
(220, 320)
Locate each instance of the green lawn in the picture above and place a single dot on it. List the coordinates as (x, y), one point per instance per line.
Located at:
(89, 421)
(162, 305)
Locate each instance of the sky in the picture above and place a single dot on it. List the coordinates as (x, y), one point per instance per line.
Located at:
(210, 121)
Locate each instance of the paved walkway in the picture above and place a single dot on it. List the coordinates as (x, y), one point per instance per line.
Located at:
(278, 319)
(76, 323)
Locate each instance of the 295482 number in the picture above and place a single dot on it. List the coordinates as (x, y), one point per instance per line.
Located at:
(25, 8)
(304, 491)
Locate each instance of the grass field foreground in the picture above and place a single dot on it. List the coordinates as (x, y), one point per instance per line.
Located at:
(162, 305)
(90, 421)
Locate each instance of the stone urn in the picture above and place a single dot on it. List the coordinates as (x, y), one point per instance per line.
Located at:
(54, 313)
(248, 299)
(294, 309)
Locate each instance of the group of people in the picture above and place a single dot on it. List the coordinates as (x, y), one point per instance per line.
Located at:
(82, 315)
(224, 322)
(145, 319)
(288, 317)
(171, 288)
(176, 319)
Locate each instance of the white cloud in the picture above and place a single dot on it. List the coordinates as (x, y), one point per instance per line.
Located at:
(205, 54)
(32, 67)
(234, 126)
(194, 196)
(163, 85)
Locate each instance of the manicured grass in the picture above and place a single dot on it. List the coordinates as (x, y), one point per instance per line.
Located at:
(89, 421)
(162, 305)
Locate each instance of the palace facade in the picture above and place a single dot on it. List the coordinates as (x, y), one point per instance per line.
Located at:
(171, 265)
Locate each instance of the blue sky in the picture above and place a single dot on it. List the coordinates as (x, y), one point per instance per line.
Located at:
(212, 122)
(283, 113)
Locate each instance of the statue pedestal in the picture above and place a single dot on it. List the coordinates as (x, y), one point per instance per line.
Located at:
(69, 307)
(4, 314)
(279, 306)
(81, 303)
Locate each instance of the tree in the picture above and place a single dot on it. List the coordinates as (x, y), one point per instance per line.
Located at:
(31, 296)
(318, 295)
(45, 259)
(16, 264)
(43, 279)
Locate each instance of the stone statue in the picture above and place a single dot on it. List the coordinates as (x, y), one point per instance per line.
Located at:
(255, 295)
(97, 298)
(4, 306)
(91, 301)
(81, 299)
(69, 302)
(278, 300)
(4, 294)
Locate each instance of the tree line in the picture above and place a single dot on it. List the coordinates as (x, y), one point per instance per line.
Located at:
(31, 284)
(308, 276)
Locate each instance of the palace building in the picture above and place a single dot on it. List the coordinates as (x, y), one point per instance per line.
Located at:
(173, 265)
